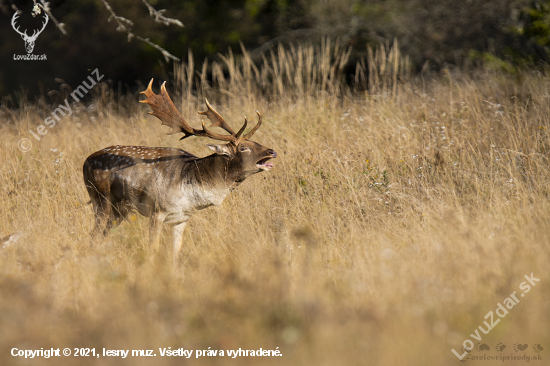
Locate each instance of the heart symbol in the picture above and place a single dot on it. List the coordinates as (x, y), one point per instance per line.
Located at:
(522, 347)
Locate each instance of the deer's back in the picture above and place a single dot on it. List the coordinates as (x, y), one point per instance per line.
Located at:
(129, 163)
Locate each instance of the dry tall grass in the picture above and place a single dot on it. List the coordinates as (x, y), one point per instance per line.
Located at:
(392, 223)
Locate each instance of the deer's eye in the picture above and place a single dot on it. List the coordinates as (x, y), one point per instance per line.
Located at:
(244, 149)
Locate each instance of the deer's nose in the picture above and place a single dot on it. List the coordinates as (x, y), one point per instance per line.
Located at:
(272, 152)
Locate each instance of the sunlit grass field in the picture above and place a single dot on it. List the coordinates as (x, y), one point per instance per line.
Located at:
(401, 210)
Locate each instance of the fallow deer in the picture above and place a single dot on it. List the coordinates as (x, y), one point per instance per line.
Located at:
(169, 185)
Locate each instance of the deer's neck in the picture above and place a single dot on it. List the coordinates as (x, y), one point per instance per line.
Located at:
(203, 182)
(212, 172)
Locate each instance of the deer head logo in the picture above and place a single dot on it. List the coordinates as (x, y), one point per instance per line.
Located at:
(29, 40)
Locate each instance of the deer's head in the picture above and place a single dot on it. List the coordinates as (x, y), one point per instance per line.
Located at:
(29, 40)
(243, 157)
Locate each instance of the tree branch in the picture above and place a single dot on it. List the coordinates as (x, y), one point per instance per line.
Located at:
(122, 28)
(46, 6)
(159, 18)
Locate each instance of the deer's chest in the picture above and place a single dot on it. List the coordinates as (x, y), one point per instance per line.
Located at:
(177, 201)
(185, 199)
(181, 204)
(190, 198)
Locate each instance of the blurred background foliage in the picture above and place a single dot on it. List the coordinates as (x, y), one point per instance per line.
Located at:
(506, 34)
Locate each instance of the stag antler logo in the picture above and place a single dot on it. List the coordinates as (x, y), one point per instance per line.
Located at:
(29, 40)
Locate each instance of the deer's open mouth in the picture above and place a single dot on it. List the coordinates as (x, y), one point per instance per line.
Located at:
(264, 164)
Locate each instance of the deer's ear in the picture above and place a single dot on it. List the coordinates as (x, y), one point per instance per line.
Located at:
(219, 149)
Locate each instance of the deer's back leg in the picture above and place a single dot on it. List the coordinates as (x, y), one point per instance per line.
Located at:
(96, 201)
(98, 185)
(103, 216)
(118, 212)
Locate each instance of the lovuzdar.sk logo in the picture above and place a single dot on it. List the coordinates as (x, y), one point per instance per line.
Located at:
(29, 39)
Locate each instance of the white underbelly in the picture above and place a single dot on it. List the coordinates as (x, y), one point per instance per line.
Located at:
(179, 205)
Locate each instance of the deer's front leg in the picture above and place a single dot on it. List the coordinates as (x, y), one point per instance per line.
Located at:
(177, 235)
(155, 228)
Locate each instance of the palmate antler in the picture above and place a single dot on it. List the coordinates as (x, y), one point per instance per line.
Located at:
(165, 110)
(215, 118)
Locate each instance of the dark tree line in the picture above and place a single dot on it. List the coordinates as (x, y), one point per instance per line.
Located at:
(432, 32)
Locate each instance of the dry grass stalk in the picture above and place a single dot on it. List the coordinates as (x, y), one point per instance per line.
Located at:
(389, 227)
